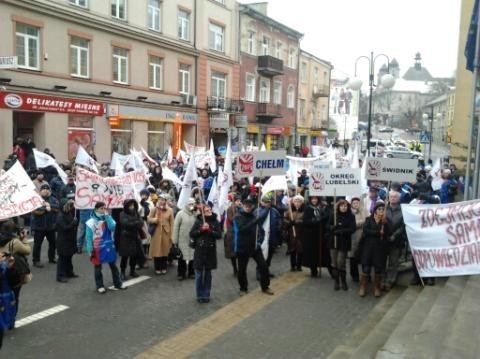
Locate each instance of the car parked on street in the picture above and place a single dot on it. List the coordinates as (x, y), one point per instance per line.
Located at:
(385, 129)
(401, 152)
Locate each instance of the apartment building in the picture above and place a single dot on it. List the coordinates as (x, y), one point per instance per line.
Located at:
(269, 53)
(313, 99)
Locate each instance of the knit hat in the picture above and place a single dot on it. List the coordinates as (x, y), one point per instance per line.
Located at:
(379, 204)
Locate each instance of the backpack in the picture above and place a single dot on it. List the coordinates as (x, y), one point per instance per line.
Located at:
(20, 266)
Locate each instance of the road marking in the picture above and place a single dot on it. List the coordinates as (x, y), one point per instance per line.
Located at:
(34, 317)
(201, 333)
(133, 281)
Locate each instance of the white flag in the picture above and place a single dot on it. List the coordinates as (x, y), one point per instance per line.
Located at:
(190, 176)
(213, 197)
(181, 156)
(213, 161)
(224, 188)
(43, 160)
(136, 161)
(84, 159)
(275, 183)
(227, 169)
(263, 148)
(119, 162)
(147, 157)
(169, 155)
(168, 174)
(193, 149)
(363, 178)
(354, 160)
(436, 174)
(266, 238)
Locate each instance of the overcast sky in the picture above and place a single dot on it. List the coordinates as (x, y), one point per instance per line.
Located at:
(341, 30)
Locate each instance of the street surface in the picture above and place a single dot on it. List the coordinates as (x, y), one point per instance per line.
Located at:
(304, 319)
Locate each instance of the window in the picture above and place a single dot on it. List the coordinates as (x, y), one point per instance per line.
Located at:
(301, 110)
(155, 73)
(264, 90)
(278, 51)
(122, 137)
(250, 88)
(291, 97)
(81, 3)
(120, 65)
(154, 15)
(183, 25)
(291, 59)
(315, 76)
(220, 1)
(277, 92)
(157, 137)
(265, 45)
(184, 79)
(28, 46)
(79, 60)
(218, 85)
(119, 9)
(251, 43)
(303, 72)
(215, 37)
(80, 132)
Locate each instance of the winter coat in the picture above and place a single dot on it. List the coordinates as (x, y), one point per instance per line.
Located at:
(66, 241)
(398, 236)
(99, 239)
(314, 237)
(341, 234)
(57, 186)
(360, 216)
(275, 226)
(68, 191)
(161, 241)
(182, 226)
(293, 220)
(448, 191)
(245, 232)
(41, 220)
(229, 234)
(130, 227)
(205, 243)
(373, 246)
(7, 299)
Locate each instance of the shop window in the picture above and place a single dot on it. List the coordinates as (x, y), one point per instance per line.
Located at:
(274, 142)
(122, 137)
(252, 139)
(80, 133)
(156, 138)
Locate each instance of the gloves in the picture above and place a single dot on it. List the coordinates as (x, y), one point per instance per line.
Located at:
(205, 228)
(391, 239)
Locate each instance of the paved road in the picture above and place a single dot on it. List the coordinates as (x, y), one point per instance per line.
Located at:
(306, 319)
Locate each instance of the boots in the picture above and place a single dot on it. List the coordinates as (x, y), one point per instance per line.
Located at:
(362, 290)
(234, 266)
(354, 270)
(378, 285)
(335, 276)
(133, 274)
(343, 277)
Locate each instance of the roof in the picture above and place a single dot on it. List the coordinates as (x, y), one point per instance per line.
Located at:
(402, 85)
(325, 62)
(414, 74)
(437, 100)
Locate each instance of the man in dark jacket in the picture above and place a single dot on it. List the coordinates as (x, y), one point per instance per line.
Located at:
(246, 246)
(43, 225)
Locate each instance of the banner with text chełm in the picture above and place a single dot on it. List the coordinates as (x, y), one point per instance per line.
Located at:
(335, 182)
(261, 163)
(17, 193)
(444, 238)
(92, 188)
(391, 169)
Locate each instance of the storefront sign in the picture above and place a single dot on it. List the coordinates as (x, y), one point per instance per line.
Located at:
(219, 120)
(34, 102)
(444, 238)
(154, 114)
(92, 188)
(241, 121)
(17, 193)
(335, 182)
(8, 62)
(261, 163)
(252, 129)
(275, 130)
(391, 169)
(303, 131)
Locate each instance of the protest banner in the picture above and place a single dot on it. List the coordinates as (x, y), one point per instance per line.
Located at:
(391, 169)
(261, 163)
(92, 188)
(444, 238)
(335, 182)
(17, 193)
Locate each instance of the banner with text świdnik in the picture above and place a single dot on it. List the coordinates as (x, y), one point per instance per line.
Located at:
(444, 238)
(391, 169)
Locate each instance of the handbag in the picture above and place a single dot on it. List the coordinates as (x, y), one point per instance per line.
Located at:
(21, 267)
(151, 228)
(176, 253)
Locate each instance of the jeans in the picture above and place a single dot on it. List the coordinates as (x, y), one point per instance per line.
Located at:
(38, 237)
(392, 266)
(81, 235)
(182, 268)
(64, 266)
(262, 268)
(117, 283)
(203, 283)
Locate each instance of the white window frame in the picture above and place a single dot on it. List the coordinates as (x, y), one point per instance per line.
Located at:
(118, 4)
(278, 50)
(250, 87)
(118, 60)
(216, 37)
(79, 3)
(251, 48)
(154, 16)
(303, 72)
(26, 45)
(79, 52)
(216, 85)
(301, 109)
(265, 45)
(291, 97)
(291, 58)
(183, 25)
(264, 92)
(277, 92)
(315, 76)
(155, 73)
(184, 78)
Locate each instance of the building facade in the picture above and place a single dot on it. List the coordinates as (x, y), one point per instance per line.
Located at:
(269, 53)
(313, 100)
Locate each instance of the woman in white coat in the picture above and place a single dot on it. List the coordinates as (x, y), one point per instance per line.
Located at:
(184, 222)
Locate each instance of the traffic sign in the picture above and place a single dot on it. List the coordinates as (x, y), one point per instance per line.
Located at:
(425, 137)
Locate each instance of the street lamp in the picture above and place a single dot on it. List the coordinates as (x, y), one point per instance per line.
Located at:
(387, 81)
(430, 118)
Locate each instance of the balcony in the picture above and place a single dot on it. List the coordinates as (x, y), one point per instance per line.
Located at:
(269, 66)
(224, 104)
(268, 111)
(320, 91)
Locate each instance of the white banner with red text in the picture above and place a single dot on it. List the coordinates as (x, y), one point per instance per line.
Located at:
(444, 238)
